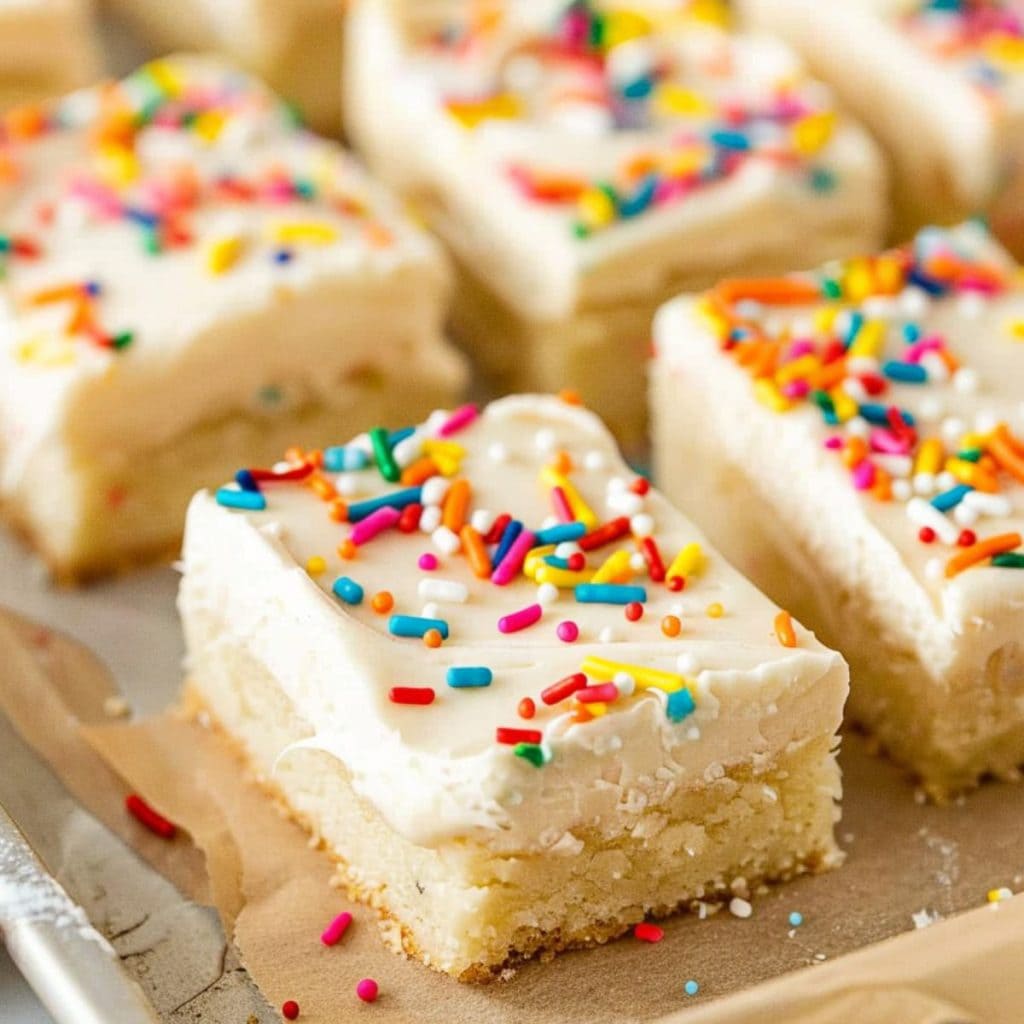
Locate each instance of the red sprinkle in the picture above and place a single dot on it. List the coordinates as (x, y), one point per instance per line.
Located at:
(652, 556)
(577, 561)
(290, 1010)
(926, 535)
(299, 472)
(564, 688)
(641, 485)
(513, 736)
(647, 932)
(497, 528)
(145, 815)
(605, 534)
(411, 695)
(676, 583)
(634, 611)
(967, 538)
(527, 708)
(333, 933)
(409, 520)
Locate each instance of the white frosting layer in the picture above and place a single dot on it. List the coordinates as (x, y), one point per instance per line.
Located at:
(272, 245)
(437, 772)
(403, 86)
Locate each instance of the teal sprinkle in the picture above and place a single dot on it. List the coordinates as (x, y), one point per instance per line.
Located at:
(305, 189)
(270, 395)
(822, 179)
(531, 752)
(796, 919)
(680, 705)
(691, 988)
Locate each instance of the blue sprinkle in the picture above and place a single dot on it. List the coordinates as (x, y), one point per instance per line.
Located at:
(730, 140)
(911, 333)
(796, 919)
(348, 590)
(879, 414)
(691, 988)
(906, 373)
(512, 531)
(93, 288)
(856, 323)
(339, 458)
(926, 284)
(396, 499)
(609, 593)
(146, 220)
(638, 89)
(640, 199)
(951, 498)
(246, 481)
(249, 501)
(400, 435)
(561, 532)
(555, 562)
(415, 625)
(469, 676)
(680, 705)
(283, 256)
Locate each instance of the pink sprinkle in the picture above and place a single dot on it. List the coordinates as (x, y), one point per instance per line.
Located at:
(568, 632)
(521, 619)
(382, 519)
(914, 353)
(833, 443)
(509, 567)
(367, 990)
(647, 932)
(459, 420)
(603, 693)
(803, 347)
(427, 562)
(796, 389)
(864, 475)
(336, 929)
(886, 441)
(561, 505)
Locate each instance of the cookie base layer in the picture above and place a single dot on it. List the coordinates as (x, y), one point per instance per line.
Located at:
(951, 730)
(463, 909)
(89, 517)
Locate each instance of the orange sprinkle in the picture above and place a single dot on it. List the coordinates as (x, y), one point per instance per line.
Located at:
(322, 487)
(422, 469)
(671, 626)
(774, 291)
(982, 550)
(476, 552)
(432, 638)
(570, 396)
(562, 463)
(347, 550)
(339, 510)
(527, 708)
(784, 629)
(382, 602)
(1003, 447)
(25, 122)
(456, 504)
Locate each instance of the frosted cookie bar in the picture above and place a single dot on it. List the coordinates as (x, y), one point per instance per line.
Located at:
(585, 161)
(940, 85)
(295, 45)
(516, 694)
(860, 433)
(46, 48)
(186, 277)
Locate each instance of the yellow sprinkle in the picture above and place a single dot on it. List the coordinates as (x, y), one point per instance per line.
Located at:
(46, 350)
(870, 339)
(622, 26)
(714, 12)
(998, 895)
(435, 446)
(689, 562)
(165, 76)
(767, 393)
(796, 369)
(844, 406)
(1006, 49)
(596, 208)
(1015, 329)
(967, 472)
(209, 124)
(315, 565)
(825, 318)
(685, 160)
(561, 578)
(535, 558)
(858, 281)
(118, 166)
(614, 569)
(309, 231)
(675, 100)
(713, 319)
(605, 671)
(889, 274)
(714, 610)
(504, 106)
(929, 457)
(580, 509)
(597, 708)
(813, 132)
(223, 253)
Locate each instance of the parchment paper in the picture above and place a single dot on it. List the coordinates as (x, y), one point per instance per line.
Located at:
(271, 888)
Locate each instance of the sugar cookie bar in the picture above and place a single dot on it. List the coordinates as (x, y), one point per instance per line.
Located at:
(516, 694)
(585, 161)
(187, 277)
(853, 439)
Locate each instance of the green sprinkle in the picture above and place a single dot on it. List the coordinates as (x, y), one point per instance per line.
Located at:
(530, 752)
(831, 289)
(580, 230)
(384, 456)
(970, 454)
(122, 340)
(1009, 560)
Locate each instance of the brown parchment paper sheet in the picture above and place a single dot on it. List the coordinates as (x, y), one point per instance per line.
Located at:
(271, 887)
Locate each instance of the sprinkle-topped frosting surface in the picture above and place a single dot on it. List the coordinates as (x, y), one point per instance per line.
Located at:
(907, 367)
(505, 594)
(135, 210)
(602, 112)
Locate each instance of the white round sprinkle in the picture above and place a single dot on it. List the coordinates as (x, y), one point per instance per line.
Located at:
(642, 524)
(547, 593)
(931, 408)
(430, 519)
(625, 683)
(347, 484)
(616, 483)
(902, 490)
(482, 520)
(497, 452)
(607, 635)
(566, 549)
(544, 440)
(636, 562)
(944, 481)
(965, 515)
(739, 907)
(924, 483)
(965, 380)
(625, 503)
(985, 422)
(595, 461)
(434, 490)
(857, 426)
(688, 664)
(445, 540)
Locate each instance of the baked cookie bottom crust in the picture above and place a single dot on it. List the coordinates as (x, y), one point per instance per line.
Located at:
(474, 913)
